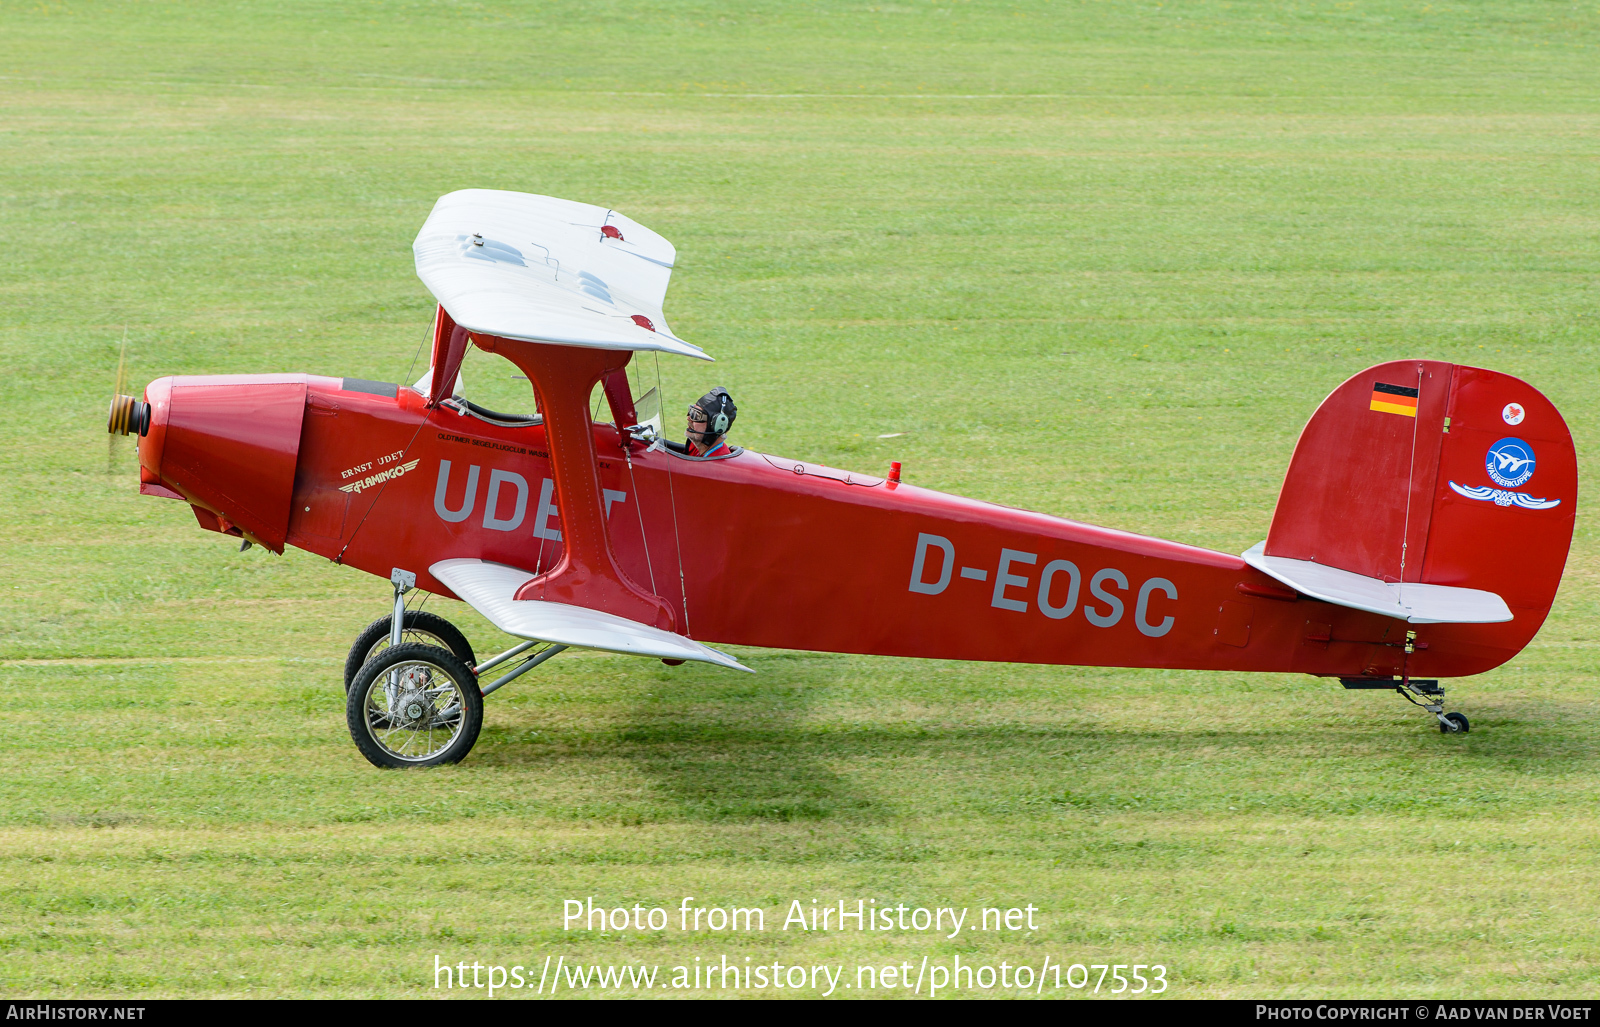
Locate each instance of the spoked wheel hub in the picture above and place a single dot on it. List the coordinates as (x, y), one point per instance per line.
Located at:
(414, 709)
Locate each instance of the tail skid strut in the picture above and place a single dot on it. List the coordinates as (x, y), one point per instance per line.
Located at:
(1426, 694)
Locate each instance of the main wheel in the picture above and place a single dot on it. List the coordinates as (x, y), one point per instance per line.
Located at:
(424, 628)
(1458, 722)
(414, 706)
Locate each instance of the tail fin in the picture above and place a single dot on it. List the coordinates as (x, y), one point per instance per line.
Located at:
(1423, 471)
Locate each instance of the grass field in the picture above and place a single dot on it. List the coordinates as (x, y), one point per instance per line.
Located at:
(1096, 259)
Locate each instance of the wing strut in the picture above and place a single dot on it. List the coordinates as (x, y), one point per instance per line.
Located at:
(587, 574)
(449, 349)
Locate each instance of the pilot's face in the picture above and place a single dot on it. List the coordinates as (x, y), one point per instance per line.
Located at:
(697, 425)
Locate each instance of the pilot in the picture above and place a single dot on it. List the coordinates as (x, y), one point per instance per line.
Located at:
(709, 420)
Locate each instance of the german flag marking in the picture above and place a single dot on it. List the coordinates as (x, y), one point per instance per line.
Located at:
(1394, 399)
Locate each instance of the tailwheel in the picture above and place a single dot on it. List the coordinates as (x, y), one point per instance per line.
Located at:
(1429, 696)
(414, 706)
(418, 626)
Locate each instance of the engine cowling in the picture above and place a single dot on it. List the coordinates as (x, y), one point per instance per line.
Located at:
(228, 444)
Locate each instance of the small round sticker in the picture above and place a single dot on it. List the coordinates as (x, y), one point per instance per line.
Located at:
(1513, 413)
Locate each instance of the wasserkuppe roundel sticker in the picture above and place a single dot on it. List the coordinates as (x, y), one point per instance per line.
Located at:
(1513, 413)
(1510, 462)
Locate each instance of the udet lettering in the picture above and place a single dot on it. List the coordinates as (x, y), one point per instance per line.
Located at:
(546, 516)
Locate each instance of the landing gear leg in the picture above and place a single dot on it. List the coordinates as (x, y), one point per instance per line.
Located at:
(403, 581)
(1430, 697)
(417, 626)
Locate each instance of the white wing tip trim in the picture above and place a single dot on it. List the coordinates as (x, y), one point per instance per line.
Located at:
(1414, 602)
(489, 588)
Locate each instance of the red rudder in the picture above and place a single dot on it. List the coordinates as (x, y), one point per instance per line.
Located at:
(1420, 470)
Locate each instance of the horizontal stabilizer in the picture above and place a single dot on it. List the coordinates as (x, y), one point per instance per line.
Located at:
(1415, 602)
(489, 588)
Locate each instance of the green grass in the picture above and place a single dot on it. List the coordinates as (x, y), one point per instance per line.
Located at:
(1096, 259)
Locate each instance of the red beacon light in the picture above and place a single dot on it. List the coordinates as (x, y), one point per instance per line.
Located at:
(894, 472)
(612, 232)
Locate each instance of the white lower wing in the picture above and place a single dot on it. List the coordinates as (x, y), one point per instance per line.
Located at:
(489, 588)
(1414, 602)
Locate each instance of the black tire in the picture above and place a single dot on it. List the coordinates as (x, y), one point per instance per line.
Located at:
(431, 681)
(420, 627)
(1460, 720)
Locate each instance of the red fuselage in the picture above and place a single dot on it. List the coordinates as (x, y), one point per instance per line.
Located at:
(751, 549)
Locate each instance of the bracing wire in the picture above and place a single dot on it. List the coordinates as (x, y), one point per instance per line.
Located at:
(672, 498)
(638, 508)
(385, 486)
(431, 330)
(633, 481)
(1405, 531)
(381, 490)
(538, 563)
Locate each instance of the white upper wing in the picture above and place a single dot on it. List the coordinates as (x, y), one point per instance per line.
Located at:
(546, 270)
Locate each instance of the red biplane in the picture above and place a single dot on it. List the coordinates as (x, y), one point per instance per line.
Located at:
(1420, 533)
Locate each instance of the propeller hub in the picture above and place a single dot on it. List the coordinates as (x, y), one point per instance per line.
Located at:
(129, 416)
